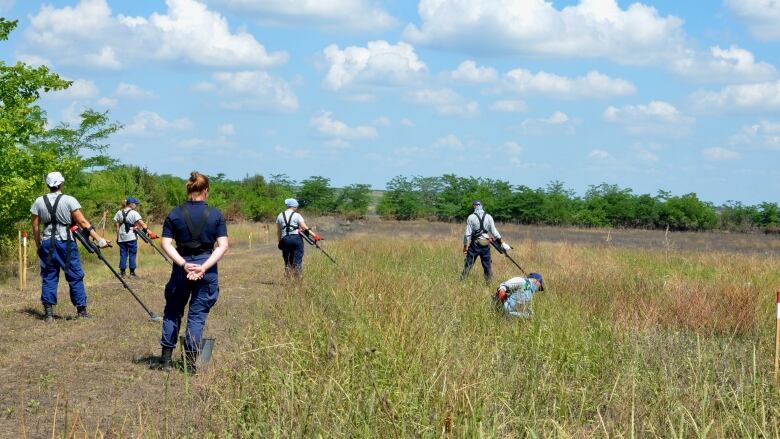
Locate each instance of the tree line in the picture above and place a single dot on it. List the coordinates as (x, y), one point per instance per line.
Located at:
(449, 197)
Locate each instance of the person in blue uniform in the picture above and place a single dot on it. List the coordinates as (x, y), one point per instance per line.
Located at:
(201, 240)
(289, 227)
(57, 249)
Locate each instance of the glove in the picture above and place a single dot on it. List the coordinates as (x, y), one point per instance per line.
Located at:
(102, 243)
(502, 296)
(317, 237)
(506, 247)
(151, 234)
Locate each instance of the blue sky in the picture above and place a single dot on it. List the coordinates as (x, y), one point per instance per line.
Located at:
(680, 96)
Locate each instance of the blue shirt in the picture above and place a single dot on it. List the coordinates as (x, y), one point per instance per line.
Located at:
(175, 227)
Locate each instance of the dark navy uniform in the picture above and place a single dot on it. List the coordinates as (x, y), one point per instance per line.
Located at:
(208, 224)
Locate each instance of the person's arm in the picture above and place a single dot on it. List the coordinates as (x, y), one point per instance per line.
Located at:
(467, 235)
(278, 231)
(195, 272)
(81, 221)
(170, 250)
(494, 230)
(141, 224)
(36, 222)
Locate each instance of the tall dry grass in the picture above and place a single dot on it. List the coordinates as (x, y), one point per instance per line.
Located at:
(624, 343)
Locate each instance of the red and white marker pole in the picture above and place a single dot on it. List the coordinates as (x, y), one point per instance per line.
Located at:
(777, 337)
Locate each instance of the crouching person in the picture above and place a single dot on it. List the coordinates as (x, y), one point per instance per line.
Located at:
(515, 295)
(56, 246)
(196, 227)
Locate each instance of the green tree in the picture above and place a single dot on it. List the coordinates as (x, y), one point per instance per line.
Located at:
(353, 200)
(316, 195)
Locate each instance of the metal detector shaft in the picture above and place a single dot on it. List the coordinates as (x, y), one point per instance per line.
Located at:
(506, 253)
(314, 243)
(92, 248)
(148, 240)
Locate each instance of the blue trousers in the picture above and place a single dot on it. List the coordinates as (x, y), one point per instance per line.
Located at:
(201, 296)
(50, 272)
(473, 251)
(127, 249)
(292, 252)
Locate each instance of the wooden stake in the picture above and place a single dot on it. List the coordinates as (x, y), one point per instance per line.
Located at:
(21, 267)
(24, 260)
(777, 337)
(250, 240)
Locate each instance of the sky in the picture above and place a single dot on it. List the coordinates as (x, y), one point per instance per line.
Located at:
(660, 95)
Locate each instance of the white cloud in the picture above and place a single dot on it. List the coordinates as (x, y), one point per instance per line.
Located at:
(644, 155)
(226, 129)
(106, 102)
(592, 28)
(80, 89)
(656, 116)
(382, 121)
(445, 101)
(765, 134)
(407, 122)
(719, 154)
(360, 97)
(733, 64)
(252, 90)
(559, 120)
(295, 153)
(509, 106)
(149, 122)
(34, 60)
(761, 16)
(450, 141)
(469, 72)
(331, 128)
(599, 154)
(6, 5)
(592, 85)
(132, 91)
(88, 34)
(758, 96)
(333, 15)
(379, 63)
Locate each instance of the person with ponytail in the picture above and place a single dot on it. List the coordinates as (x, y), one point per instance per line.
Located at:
(201, 239)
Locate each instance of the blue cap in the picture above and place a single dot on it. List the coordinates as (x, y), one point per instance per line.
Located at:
(538, 277)
(133, 200)
(291, 202)
(476, 203)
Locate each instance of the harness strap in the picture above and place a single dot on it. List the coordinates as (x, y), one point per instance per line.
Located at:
(124, 219)
(475, 234)
(287, 221)
(54, 223)
(195, 231)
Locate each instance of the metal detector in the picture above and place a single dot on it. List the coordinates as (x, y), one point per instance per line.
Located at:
(314, 243)
(148, 240)
(91, 247)
(506, 253)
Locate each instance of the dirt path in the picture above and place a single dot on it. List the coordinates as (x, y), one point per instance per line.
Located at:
(79, 376)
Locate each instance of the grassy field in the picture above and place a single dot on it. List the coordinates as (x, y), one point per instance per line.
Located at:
(653, 342)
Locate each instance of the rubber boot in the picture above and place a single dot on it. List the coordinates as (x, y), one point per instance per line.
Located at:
(122, 272)
(132, 273)
(165, 363)
(48, 313)
(81, 313)
(189, 362)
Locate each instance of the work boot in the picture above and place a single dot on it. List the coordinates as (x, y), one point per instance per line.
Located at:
(132, 273)
(165, 364)
(81, 313)
(48, 313)
(189, 362)
(122, 272)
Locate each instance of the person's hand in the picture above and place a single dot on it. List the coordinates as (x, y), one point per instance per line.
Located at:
(102, 243)
(279, 244)
(40, 252)
(195, 272)
(502, 295)
(465, 249)
(317, 237)
(151, 234)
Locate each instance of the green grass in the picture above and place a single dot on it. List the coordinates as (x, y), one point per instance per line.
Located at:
(624, 343)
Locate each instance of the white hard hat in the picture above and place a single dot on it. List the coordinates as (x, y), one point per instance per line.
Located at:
(54, 179)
